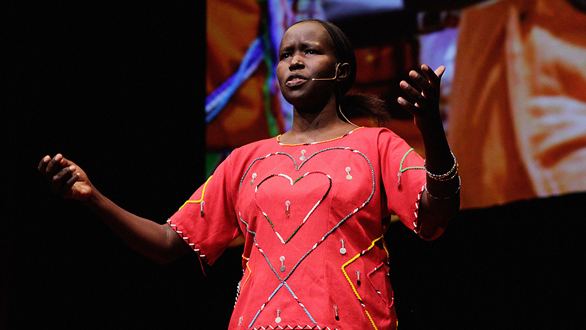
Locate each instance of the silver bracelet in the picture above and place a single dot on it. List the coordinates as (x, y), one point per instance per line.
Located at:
(449, 175)
(445, 197)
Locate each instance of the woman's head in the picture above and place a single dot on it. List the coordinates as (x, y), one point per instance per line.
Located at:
(318, 49)
(315, 49)
(344, 52)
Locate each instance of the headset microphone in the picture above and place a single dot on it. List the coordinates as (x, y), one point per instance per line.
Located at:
(332, 78)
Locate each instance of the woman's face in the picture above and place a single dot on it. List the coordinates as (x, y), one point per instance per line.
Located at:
(306, 52)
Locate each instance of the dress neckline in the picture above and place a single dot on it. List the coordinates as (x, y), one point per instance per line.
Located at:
(278, 138)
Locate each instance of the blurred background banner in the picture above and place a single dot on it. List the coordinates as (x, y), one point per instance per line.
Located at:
(513, 96)
(518, 120)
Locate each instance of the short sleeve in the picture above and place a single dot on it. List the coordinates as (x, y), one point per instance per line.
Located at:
(207, 220)
(403, 177)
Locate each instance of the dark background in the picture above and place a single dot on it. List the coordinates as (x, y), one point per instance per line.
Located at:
(119, 88)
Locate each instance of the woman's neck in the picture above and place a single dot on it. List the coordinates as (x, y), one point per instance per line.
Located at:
(314, 120)
(310, 126)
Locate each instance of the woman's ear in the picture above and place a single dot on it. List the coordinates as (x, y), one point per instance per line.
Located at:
(343, 70)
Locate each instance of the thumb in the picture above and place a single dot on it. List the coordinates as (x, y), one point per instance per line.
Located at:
(439, 72)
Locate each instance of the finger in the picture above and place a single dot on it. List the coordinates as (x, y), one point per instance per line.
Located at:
(74, 178)
(65, 162)
(429, 75)
(411, 94)
(421, 81)
(433, 76)
(53, 165)
(62, 176)
(64, 172)
(43, 163)
(439, 72)
(67, 178)
(405, 104)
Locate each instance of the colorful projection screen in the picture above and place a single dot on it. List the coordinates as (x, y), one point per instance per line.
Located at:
(513, 96)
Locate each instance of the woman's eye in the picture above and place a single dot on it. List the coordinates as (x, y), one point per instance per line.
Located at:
(285, 55)
(310, 51)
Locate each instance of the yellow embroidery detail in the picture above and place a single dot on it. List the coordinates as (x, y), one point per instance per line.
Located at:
(350, 281)
(203, 191)
(248, 277)
(316, 142)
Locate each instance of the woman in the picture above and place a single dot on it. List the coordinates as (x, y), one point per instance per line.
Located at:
(312, 204)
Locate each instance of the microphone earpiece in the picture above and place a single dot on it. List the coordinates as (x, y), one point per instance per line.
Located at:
(332, 78)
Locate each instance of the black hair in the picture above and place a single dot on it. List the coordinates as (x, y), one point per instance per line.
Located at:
(353, 104)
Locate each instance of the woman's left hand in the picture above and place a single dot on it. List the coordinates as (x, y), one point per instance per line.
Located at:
(421, 94)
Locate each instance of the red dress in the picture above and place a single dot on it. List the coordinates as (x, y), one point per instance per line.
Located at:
(313, 218)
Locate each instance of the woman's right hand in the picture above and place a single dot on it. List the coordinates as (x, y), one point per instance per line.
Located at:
(149, 238)
(66, 178)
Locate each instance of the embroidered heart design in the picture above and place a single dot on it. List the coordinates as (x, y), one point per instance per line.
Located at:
(291, 270)
(280, 232)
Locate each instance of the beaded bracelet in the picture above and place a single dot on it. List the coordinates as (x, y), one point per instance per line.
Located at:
(445, 176)
(445, 197)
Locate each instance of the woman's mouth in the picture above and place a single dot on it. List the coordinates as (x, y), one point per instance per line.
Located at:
(295, 81)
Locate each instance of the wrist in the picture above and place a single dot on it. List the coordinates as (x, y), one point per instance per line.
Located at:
(444, 190)
(432, 133)
(429, 119)
(445, 176)
(94, 199)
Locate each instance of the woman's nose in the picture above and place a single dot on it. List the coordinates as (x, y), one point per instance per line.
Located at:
(296, 62)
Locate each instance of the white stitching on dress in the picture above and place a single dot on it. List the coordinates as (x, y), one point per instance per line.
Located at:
(187, 240)
(416, 224)
(295, 327)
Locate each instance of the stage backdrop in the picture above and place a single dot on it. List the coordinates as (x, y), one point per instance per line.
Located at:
(513, 96)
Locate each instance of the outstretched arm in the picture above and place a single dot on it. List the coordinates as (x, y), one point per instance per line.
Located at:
(441, 200)
(155, 241)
